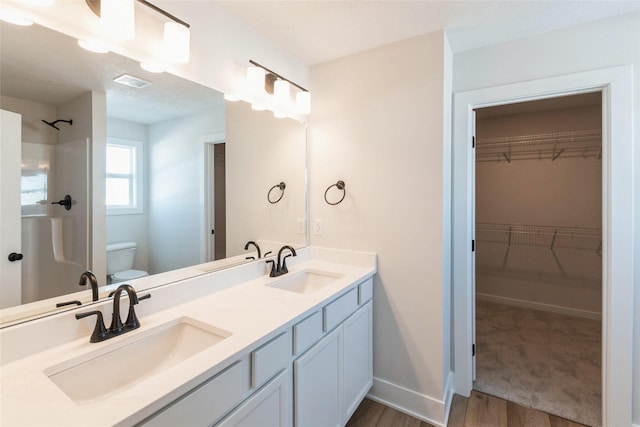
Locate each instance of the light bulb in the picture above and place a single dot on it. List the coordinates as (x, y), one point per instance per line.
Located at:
(119, 18)
(255, 80)
(177, 39)
(281, 93)
(303, 102)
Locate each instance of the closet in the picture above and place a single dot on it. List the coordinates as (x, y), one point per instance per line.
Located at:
(538, 239)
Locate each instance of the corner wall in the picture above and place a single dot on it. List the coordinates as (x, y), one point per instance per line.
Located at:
(605, 43)
(175, 158)
(132, 227)
(380, 122)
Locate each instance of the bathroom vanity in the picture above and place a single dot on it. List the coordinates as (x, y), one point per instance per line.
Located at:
(233, 347)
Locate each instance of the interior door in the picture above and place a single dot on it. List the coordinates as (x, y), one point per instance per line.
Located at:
(473, 255)
(10, 224)
(210, 201)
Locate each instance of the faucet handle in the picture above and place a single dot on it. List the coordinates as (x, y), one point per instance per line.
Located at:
(273, 267)
(283, 268)
(132, 321)
(99, 331)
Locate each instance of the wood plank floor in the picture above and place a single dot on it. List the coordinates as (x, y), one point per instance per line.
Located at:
(479, 410)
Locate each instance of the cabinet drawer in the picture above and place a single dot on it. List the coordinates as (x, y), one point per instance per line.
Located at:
(208, 402)
(338, 310)
(269, 359)
(307, 332)
(365, 291)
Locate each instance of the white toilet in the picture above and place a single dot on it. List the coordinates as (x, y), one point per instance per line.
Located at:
(120, 258)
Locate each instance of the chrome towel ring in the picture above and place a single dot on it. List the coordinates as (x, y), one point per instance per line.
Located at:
(340, 186)
(280, 186)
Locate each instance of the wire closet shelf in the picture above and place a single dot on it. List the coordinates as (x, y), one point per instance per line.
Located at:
(585, 144)
(551, 237)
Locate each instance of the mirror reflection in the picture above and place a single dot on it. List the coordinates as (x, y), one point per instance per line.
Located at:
(145, 183)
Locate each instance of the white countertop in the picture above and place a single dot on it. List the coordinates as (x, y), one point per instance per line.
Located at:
(251, 311)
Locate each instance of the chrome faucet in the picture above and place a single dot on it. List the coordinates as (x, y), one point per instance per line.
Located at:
(281, 267)
(249, 243)
(87, 275)
(100, 332)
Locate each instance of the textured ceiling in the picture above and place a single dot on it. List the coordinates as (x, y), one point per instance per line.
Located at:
(44, 66)
(319, 31)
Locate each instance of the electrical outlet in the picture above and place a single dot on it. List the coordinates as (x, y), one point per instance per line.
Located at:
(317, 227)
(300, 226)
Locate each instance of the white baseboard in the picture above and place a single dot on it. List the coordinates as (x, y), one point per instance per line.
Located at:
(540, 306)
(431, 410)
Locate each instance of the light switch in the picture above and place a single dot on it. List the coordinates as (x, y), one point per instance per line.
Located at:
(300, 226)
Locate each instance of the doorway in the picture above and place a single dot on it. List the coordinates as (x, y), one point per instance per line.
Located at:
(215, 199)
(538, 275)
(617, 218)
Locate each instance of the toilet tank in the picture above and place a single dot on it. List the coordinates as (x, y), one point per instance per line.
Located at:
(120, 256)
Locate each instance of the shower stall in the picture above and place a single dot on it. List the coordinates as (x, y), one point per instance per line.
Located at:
(54, 186)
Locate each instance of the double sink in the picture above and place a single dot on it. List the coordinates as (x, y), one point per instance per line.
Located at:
(114, 368)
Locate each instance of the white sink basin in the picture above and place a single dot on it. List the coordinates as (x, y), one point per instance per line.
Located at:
(306, 281)
(101, 374)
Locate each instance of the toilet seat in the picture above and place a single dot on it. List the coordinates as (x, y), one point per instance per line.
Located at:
(129, 275)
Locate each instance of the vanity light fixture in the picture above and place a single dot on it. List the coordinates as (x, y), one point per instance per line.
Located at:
(265, 89)
(176, 36)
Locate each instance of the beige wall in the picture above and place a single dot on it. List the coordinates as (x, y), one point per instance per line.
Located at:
(379, 123)
(131, 227)
(262, 151)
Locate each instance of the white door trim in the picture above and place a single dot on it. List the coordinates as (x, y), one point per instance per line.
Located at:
(205, 192)
(616, 85)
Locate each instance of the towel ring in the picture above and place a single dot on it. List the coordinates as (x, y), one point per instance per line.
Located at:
(280, 186)
(340, 186)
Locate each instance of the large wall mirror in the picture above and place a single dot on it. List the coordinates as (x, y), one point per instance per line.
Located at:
(164, 179)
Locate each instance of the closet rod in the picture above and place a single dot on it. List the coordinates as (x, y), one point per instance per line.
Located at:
(574, 136)
(551, 145)
(552, 237)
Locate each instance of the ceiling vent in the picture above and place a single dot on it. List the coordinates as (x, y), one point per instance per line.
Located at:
(132, 81)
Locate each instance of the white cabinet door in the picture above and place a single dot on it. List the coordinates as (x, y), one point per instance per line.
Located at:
(357, 359)
(269, 407)
(209, 401)
(318, 383)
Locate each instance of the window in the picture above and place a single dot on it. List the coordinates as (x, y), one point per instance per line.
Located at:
(124, 176)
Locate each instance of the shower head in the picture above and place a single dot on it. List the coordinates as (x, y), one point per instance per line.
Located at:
(53, 124)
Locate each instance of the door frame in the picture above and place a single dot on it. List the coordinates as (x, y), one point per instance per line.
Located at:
(616, 85)
(206, 213)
